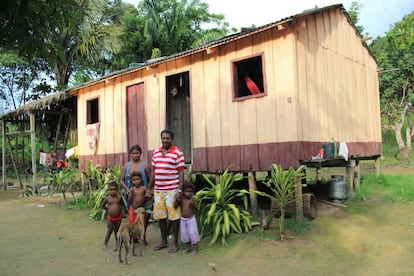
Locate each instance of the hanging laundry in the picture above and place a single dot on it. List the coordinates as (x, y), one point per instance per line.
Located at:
(343, 151)
(92, 136)
(72, 152)
(43, 158)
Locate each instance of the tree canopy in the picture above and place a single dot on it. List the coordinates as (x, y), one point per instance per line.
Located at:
(62, 36)
(395, 55)
(82, 39)
(168, 26)
(354, 11)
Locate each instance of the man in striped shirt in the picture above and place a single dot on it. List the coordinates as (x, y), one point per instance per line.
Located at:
(167, 178)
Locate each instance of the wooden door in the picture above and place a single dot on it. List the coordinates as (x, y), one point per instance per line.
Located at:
(136, 118)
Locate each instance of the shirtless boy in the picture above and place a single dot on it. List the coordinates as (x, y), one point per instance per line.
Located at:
(114, 206)
(136, 199)
(188, 223)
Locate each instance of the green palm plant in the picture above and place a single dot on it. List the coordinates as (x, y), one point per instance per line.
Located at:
(113, 174)
(218, 209)
(62, 181)
(94, 174)
(102, 178)
(96, 211)
(282, 184)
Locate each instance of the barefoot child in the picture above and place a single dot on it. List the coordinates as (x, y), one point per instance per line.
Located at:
(136, 199)
(188, 224)
(113, 204)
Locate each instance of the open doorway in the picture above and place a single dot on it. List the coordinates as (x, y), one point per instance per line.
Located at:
(178, 111)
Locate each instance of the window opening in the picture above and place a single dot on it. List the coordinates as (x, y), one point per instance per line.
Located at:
(248, 77)
(92, 111)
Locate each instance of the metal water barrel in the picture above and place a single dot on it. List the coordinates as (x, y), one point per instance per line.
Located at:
(338, 188)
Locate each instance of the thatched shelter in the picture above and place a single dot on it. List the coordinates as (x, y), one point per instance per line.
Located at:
(54, 116)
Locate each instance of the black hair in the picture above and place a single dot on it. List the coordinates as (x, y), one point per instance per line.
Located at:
(112, 184)
(168, 131)
(135, 173)
(135, 147)
(187, 185)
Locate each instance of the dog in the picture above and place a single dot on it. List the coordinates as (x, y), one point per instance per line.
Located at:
(131, 232)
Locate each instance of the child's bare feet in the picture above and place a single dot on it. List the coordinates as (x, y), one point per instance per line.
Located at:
(104, 247)
(194, 252)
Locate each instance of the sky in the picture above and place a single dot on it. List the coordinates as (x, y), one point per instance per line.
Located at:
(375, 16)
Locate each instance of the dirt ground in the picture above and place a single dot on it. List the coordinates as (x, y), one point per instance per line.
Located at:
(39, 237)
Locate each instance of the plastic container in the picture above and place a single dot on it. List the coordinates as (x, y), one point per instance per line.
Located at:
(328, 150)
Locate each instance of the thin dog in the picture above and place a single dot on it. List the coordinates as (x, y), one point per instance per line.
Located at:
(131, 232)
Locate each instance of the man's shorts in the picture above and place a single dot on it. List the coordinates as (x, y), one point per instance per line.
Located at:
(164, 205)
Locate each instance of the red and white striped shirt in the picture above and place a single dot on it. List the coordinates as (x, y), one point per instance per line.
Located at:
(165, 168)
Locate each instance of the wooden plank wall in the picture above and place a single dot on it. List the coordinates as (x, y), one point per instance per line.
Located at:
(198, 107)
(320, 84)
(337, 82)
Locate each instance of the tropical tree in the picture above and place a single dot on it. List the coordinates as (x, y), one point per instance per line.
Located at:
(63, 37)
(24, 24)
(354, 11)
(170, 26)
(395, 55)
(14, 78)
(19, 81)
(89, 37)
(135, 46)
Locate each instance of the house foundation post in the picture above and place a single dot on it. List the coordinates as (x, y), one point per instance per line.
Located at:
(252, 192)
(299, 201)
(350, 170)
(378, 166)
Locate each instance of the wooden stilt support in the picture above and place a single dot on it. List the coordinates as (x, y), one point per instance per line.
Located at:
(299, 201)
(14, 163)
(34, 152)
(378, 166)
(84, 184)
(217, 178)
(350, 170)
(318, 174)
(357, 175)
(253, 196)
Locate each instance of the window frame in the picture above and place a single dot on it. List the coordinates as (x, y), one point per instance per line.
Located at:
(235, 77)
(90, 113)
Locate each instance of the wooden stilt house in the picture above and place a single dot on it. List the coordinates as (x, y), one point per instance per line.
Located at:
(271, 94)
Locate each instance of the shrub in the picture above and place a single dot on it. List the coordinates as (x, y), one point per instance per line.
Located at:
(102, 178)
(218, 210)
(282, 185)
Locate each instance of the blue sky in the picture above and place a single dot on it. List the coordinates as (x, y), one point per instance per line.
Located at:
(376, 16)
